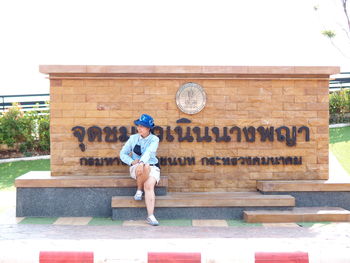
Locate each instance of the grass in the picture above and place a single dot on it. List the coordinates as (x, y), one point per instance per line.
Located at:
(241, 223)
(10, 171)
(340, 145)
(39, 220)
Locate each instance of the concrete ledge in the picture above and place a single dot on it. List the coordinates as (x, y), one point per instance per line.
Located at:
(319, 199)
(238, 199)
(41, 157)
(298, 214)
(339, 125)
(302, 186)
(138, 213)
(70, 201)
(44, 179)
(192, 71)
(200, 205)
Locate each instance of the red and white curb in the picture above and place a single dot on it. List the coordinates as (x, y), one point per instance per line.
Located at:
(234, 256)
(68, 256)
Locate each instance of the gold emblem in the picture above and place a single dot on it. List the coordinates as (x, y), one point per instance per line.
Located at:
(191, 98)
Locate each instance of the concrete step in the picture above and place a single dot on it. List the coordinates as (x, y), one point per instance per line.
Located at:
(311, 193)
(73, 196)
(199, 205)
(205, 199)
(44, 179)
(303, 186)
(298, 214)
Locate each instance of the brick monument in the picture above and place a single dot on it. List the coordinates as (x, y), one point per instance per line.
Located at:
(244, 97)
(255, 124)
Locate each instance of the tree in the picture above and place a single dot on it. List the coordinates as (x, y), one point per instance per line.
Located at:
(343, 25)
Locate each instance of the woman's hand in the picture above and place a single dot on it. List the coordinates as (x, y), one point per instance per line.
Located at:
(135, 161)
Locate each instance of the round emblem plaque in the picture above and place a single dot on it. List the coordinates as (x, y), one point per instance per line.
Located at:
(191, 98)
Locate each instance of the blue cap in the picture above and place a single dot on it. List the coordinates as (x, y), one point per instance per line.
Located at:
(145, 120)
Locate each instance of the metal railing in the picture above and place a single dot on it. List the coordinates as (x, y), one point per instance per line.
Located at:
(27, 102)
(341, 81)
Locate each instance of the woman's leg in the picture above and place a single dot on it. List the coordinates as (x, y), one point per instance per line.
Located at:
(141, 176)
(149, 194)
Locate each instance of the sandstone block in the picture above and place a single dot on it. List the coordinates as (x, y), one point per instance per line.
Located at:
(297, 106)
(67, 98)
(317, 106)
(73, 83)
(55, 83)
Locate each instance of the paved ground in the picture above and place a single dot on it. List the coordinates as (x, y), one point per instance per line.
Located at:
(131, 244)
(9, 160)
(21, 239)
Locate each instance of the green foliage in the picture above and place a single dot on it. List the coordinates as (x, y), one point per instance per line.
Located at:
(44, 132)
(339, 106)
(11, 124)
(339, 101)
(347, 100)
(329, 33)
(29, 130)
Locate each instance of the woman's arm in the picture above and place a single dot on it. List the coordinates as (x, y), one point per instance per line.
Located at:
(125, 151)
(152, 148)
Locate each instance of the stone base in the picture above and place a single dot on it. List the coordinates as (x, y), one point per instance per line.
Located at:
(298, 214)
(318, 199)
(137, 213)
(95, 201)
(70, 201)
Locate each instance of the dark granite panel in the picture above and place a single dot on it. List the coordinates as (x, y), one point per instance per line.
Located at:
(56, 202)
(335, 199)
(52, 202)
(187, 212)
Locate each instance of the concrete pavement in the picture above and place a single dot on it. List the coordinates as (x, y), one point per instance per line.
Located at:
(324, 242)
(217, 244)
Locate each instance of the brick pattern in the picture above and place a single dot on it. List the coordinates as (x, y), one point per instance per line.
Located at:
(231, 102)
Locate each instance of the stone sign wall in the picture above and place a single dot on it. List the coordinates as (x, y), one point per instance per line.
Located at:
(258, 122)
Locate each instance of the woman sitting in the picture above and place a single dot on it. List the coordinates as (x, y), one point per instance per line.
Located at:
(139, 152)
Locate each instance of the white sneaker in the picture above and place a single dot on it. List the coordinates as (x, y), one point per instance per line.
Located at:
(152, 221)
(138, 195)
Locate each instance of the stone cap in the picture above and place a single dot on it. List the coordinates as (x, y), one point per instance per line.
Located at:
(189, 71)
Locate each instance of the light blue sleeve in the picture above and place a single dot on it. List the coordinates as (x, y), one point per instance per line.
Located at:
(151, 149)
(125, 151)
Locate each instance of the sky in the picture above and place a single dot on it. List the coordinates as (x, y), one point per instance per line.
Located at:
(182, 32)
